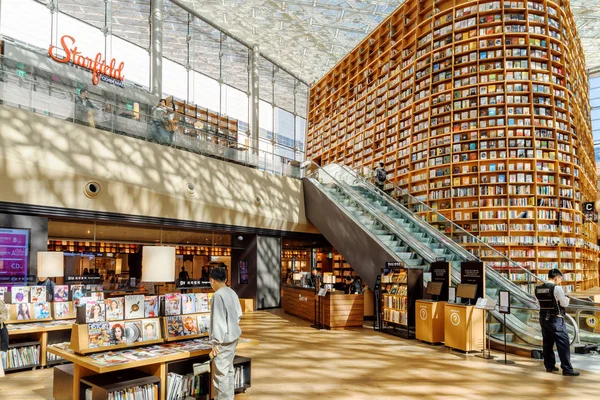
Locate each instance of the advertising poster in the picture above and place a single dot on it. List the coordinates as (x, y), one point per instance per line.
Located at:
(14, 256)
(244, 272)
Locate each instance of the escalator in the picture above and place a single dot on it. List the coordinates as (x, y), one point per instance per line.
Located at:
(368, 228)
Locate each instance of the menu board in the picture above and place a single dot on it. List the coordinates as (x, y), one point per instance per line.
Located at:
(14, 256)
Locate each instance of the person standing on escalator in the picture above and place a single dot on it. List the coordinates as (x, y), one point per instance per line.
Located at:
(380, 176)
(553, 301)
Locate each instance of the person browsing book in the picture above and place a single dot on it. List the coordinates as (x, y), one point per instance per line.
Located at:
(353, 285)
(224, 332)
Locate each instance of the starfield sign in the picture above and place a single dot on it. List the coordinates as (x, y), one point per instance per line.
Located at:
(101, 70)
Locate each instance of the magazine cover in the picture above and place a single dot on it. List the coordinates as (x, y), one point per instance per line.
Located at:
(41, 310)
(98, 335)
(94, 311)
(61, 293)
(117, 333)
(172, 304)
(114, 308)
(134, 306)
(62, 310)
(188, 303)
(174, 326)
(203, 323)
(150, 306)
(77, 292)
(23, 311)
(201, 302)
(38, 294)
(20, 294)
(150, 330)
(97, 295)
(133, 331)
(190, 326)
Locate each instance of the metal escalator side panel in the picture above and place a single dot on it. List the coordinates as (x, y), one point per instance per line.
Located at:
(363, 252)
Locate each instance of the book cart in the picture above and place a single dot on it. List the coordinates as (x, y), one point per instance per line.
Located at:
(32, 326)
(399, 289)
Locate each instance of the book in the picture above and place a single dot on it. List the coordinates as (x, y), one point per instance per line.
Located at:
(62, 310)
(98, 335)
(94, 311)
(61, 293)
(133, 331)
(172, 304)
(150, 330)
(38, 294)
(174, 326)
(117, 333)
(134, 306)
(190, 325)
(188, 303)
(150, 306)
(203, 323)
(41, 310)
(201, 302)
(20, 294)
(114, 308)
(23, 311)
(77, 292)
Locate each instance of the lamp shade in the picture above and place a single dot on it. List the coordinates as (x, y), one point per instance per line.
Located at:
(50, 264)
(158, 264)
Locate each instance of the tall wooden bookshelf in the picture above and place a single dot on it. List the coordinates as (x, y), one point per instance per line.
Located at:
(481, 110)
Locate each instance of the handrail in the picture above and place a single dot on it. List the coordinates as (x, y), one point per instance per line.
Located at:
(424, 251)
(444, 218)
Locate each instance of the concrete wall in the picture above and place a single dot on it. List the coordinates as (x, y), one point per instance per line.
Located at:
(47, 162)
(268, 272)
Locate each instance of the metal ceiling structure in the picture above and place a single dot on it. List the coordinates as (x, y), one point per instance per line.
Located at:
(306, 37)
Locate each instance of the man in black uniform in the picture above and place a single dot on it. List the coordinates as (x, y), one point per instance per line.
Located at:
(353, 285)
(553, 301)
(314, 279)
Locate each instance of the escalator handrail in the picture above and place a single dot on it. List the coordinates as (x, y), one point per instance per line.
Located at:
(423, 251)
(473, 237)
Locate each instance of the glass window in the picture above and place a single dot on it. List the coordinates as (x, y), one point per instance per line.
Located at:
(302, 100)
(136, 59)
(265, 79)
(284, 152)
(174, 81)
(129, 20)
(205, 46)
(300, 133)
(26, 20)
(284, 127)
(234, 103)
(206, 92)
(88, 39)
(234, 63)
(175, 31)
(595, 93)
(265, 122)
(284, 90)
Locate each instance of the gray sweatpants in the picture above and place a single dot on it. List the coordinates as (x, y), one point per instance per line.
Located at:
(224, 374)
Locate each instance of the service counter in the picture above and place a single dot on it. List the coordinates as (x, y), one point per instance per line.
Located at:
(463, 327)
(338, 310)
(430, 321)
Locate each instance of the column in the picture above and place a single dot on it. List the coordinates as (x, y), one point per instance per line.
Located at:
(156, 39)
(254, 99)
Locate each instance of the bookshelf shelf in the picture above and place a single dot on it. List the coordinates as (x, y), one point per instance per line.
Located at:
(496, 87)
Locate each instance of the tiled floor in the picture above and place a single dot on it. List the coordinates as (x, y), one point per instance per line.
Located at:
(295, 361)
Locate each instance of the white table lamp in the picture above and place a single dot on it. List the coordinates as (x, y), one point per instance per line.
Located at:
(158, 264)
(50, 264)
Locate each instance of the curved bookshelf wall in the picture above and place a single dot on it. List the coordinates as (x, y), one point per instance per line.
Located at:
(480, 109)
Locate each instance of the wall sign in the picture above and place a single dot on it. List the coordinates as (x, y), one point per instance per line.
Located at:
(101, 69)
(14, 254)
(440, 272)
(244, 276)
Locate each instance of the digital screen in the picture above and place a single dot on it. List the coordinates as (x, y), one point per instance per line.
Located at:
(14, 256)
(466, 291)
(434, 288)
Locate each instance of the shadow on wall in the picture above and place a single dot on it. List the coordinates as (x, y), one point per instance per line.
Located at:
(47, 161)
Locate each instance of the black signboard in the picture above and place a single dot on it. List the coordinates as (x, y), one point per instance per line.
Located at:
(191, 283)
(17, 279)
(92, 278)
(473, 272)
(394, 264)
(440, 272)
(588, 208)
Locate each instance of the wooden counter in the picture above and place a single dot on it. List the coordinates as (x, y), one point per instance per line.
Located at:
(339, 310)
(299, 302)
(463, 327)
(342, 310)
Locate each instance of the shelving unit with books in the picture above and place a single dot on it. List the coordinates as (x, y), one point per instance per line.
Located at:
(400, 288)
(479, 109)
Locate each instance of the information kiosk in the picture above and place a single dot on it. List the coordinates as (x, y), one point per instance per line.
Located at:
(464, 323)
(430, 315)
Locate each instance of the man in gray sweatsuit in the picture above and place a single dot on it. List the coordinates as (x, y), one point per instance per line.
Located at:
(225, 314)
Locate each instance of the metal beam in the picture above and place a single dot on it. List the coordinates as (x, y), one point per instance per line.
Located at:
(156, 42)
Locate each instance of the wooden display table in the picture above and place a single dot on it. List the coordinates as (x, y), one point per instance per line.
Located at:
(41, 332)
(84, 366)
(342, 310)
(430, 321)
(463, 328)
(299, 301)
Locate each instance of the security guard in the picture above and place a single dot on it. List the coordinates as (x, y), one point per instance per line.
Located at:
(553, 301)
